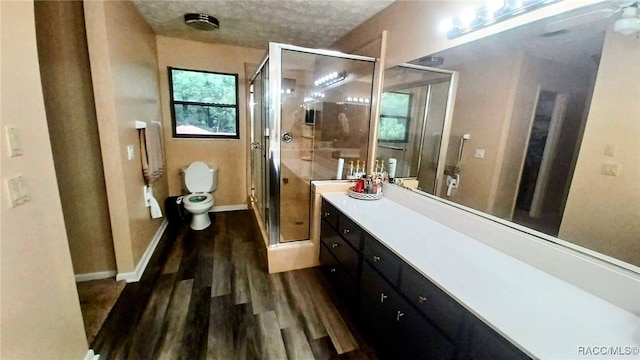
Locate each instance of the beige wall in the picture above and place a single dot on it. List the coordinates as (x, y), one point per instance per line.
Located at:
(486, 119)
(73, 130)
(123, 55)
(228, 155)
(40, 313)
(603, 212)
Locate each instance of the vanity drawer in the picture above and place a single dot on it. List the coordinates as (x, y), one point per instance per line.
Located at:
(349, 230)
(341, 249)
(382, 259)
(432, 302)
(330, 214)
(342, 282)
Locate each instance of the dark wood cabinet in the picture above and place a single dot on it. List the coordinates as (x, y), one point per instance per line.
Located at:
(382, 259)
(330, 214)
(432, 302)
(395, 324)
(343, 283)
(350, 231)
(341, 249)
(406, 315)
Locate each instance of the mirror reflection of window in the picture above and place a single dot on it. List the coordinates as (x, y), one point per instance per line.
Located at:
(395, 109)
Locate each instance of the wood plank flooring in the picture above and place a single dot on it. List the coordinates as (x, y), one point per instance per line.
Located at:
(207, 295)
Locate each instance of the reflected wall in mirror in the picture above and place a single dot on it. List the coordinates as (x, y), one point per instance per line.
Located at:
(413, 121)
(552, 114)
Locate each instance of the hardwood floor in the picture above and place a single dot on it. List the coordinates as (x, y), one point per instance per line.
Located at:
(97, 297)
(207, 295)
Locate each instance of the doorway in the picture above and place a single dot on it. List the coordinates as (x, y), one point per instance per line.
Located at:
(540, 174)
(75, 144)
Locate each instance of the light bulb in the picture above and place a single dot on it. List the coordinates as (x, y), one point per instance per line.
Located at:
(446, 25)
(467, 17)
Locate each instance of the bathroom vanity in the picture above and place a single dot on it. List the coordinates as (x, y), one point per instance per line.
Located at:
(423, 290)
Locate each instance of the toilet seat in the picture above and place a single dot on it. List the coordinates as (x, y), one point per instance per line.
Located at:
(197, 199)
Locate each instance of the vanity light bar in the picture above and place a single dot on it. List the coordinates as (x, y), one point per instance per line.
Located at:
(287, 91)
(356, 100)
(493, 12)
(332, 78)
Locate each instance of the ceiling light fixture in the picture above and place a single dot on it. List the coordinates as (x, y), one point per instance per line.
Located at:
(493, 12)
(629, 23)
(330, 79)
(201, 21)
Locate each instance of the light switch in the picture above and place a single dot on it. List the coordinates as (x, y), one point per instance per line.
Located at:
(610, 169)
(13, 141)
(479, 153)
(18, 193)
(130, 152)
(610, 150)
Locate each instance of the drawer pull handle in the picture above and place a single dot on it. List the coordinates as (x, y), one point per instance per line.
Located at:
(345, 231)
(421, 299)
(332, 270)
(376, 258)
(326, 214)
(382, 297)
(334, 245)
(399, 315)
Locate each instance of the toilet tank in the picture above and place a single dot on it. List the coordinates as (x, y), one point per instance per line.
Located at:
(214, 182)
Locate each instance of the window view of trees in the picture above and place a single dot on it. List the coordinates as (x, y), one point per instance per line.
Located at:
(394, 117)
(204, 104)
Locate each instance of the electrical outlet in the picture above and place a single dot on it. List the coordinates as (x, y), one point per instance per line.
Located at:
(130, 152)
(479, 154)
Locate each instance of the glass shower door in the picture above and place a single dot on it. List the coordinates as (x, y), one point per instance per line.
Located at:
(259, 144)
(324, 117)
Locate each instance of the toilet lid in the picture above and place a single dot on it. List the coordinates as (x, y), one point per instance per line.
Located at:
(198, 177)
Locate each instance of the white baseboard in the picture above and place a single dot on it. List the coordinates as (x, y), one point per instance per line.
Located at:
(91, 355)
(95, 275)
(135, 275)
(222, 208)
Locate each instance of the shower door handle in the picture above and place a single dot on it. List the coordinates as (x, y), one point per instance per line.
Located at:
(256, 145)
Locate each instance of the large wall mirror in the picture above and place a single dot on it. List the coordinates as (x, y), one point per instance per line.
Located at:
(545, 131)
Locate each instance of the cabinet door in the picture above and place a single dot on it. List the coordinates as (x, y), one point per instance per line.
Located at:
(479, 342)
(432, 302)
(398, 330)
(382, 259)
(374, 312)
(341, 249)
(329, 214)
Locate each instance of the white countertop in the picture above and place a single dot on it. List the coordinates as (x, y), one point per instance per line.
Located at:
(544, 316)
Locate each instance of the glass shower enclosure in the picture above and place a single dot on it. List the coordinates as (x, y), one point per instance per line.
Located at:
(310, 111)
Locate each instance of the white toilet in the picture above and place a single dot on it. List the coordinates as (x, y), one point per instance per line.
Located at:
(200, 180)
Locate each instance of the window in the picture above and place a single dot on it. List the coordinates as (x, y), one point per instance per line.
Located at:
(394, 117)
(204, 104)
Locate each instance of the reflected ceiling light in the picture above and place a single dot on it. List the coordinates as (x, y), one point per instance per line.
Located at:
(329, 79)
(356, 100)
(493, 12)
(201, 21)
(629, 23)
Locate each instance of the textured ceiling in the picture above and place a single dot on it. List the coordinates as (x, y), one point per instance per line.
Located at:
(254, 23)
